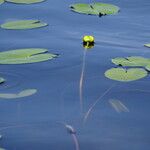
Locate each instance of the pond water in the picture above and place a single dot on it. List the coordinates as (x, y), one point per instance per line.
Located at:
(36, 122)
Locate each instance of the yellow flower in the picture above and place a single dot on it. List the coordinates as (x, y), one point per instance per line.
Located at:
(88, 39)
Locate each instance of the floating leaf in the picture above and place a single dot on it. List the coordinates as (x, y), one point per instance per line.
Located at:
(82, 8)
(1, 2)
(2, 80)
(125, 75)
(147, 45)
(105, 9)
(24, 1)
(23, 93)
(147, 67)
(2, 149)
(95, 8)
(131, 61)
(23, 24)
(22, 56)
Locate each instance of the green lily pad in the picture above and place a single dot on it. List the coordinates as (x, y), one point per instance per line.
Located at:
(125, 75)
(82, 8)
(23, 24)
(95, 8)
(147, 67)
(131, 61)
(24, 1)
(23, 93)
(23, 56)
(1, 2)
(2, 80)
(147, 45)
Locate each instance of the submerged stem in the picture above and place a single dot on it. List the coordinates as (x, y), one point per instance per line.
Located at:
(72, 132)
(75, 141)
(81, 81)
(97, 100)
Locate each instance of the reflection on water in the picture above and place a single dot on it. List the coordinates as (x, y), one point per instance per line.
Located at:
(118, 106)
(13, 79)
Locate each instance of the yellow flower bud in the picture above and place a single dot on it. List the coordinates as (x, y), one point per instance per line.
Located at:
(88, 38)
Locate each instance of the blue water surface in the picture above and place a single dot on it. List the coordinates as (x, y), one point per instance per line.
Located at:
(35, 122)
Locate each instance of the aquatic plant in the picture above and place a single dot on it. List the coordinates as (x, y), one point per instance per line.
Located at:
(88, 39)
(147, 45)
(24, 1)
(125, 75)
(147, 67)
(24, 93)
(81, 80)
(23, 24)
(119, 74)
(118, 106)
(72, 132)
(88, 43)
(99, 9)
(96, 101)
(134, 61)
(2, 80)
(1, 2)
(23, 56)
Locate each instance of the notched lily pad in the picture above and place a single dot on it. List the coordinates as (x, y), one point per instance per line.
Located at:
(82, 8)
(2, 80)
(23, 56)
(23, 93)
(125, 75)
(23, 24)
(1, 2)
(24, 1)
(95, 8)
(131, 61)
(147, 45)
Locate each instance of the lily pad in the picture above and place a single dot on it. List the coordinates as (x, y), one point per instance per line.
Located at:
(24, 1)
(23, 93)
(131, 61)
(1, 2)
(2, 80)
(125, 75)
(23, 56)
(2, 149)
(147, 67)
(23, 24)
(95, 8)
(147, 45)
